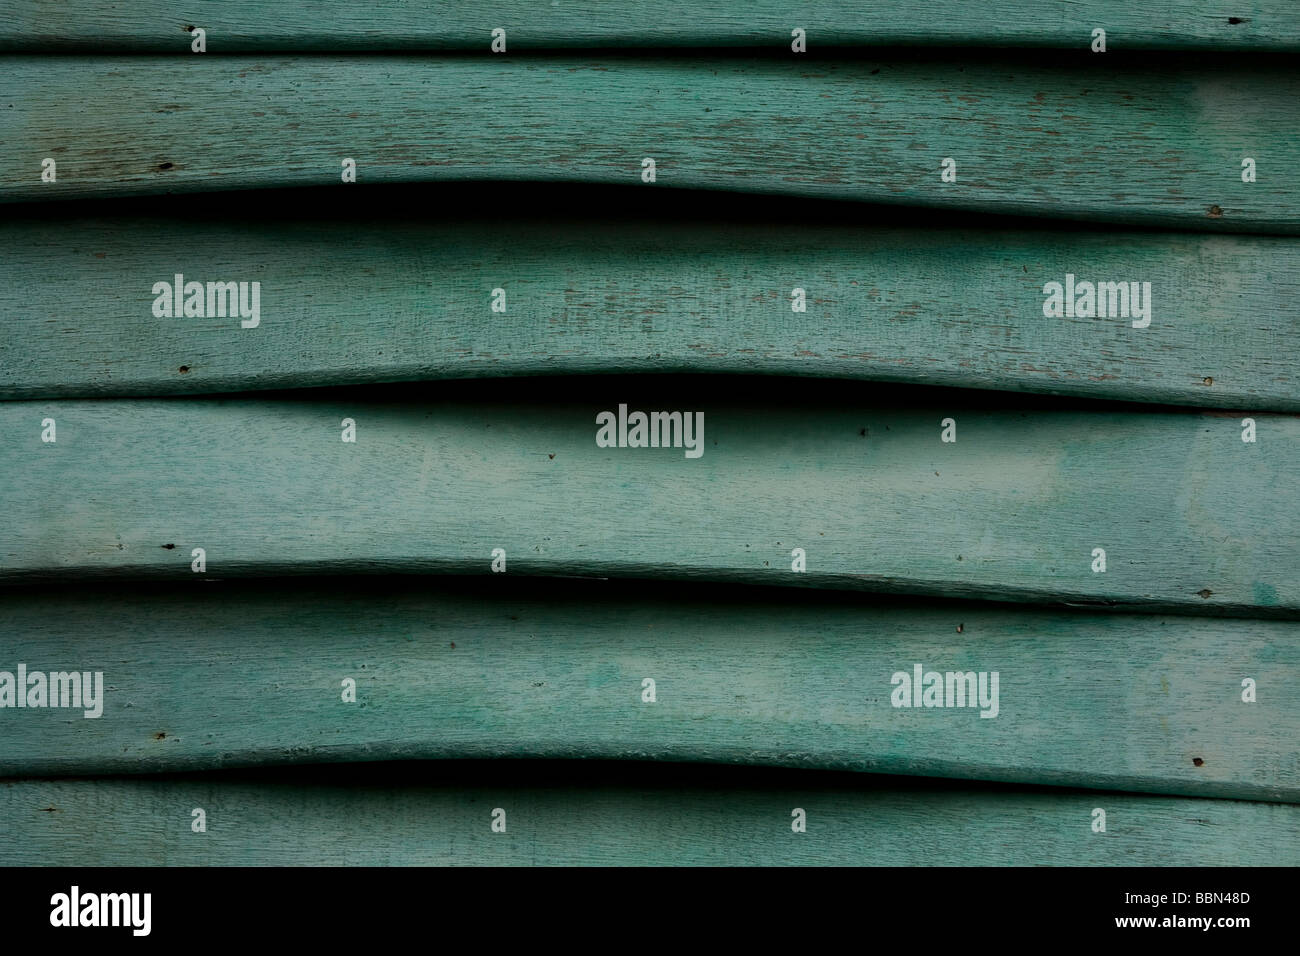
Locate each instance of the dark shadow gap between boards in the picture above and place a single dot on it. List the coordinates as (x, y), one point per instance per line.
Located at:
(541, 773)
(550, 203)
(811, 394)
(582, 593)
(973, 52)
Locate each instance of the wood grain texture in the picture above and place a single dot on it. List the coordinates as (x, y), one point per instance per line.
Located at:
(228, 674)
(653, 817)
(346, 302)
(1189, 515)
(253, 25)
(1159, 144)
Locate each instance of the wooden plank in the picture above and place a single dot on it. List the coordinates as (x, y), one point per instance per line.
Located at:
(196, 678)
(256, 25)
(1188, 514)
(345, 302)
(655, 816)
(1143, 143)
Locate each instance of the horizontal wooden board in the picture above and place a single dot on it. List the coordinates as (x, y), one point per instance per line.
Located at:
(250, 25)
(653, 817)
(1145, 143)
(345, 302)
(1189, 515)
(227, 674)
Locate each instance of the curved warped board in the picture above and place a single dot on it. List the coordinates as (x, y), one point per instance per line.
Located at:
(661, 818)
(1158, 144)
(1193, 511)
(204, 677)
(1214, 322)
(259, 25)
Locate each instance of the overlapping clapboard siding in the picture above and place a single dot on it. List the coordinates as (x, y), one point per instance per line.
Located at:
(1161, 737)
(653, 816)
(1190, 516)
(224, 674)
(1130, 143)
(345, 302)
(251, 25)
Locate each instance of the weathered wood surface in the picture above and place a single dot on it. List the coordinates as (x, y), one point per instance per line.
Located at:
(1189, 515)
(653, 816)
(229, 674)
(344, 302)
(253, 25)
(1160, 143)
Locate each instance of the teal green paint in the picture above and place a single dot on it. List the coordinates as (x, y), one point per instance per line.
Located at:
(250, 25)
(642, 821)
(228, 674)
(346, 301)
(1189, 515)
(1160, 144)
(1265, 594)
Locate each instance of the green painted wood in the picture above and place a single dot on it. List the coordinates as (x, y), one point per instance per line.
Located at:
(654, 817)
(345, 302)
(253, 25)
(1160, 143)
(222, 675)
(1189, 515)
